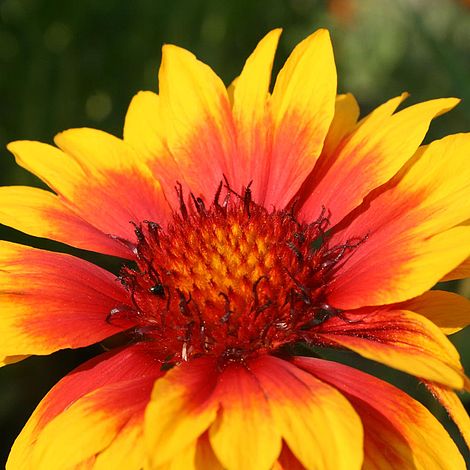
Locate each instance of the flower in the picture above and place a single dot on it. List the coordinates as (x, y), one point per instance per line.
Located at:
(259, 221)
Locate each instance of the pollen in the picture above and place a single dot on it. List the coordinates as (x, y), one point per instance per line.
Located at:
(231, 280)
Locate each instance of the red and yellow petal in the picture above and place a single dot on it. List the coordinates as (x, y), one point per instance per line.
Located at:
(181, 409)
(398, 431)
(371, 155)
(400, 339)
(244, 410)
(92, 428)
(143, 126)
(449, 311)
(126, 450)
(194, 103)
(302, 106)
(98, 177)
(119, 189)
(81, 418)
(51, 301)
(454, 407)
(251, 113)
(344, 122)
(408, 240)
(43, 214)
(244, 435)
(462, 271)
(144, 130)
(317, 423)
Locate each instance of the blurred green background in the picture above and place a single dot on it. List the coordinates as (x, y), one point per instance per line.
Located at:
(74, 64)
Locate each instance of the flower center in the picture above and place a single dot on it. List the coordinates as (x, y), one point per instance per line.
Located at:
(231, 280)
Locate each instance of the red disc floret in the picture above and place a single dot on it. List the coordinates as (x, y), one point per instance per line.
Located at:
(231, 280)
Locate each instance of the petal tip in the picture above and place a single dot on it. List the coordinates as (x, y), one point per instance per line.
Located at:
(172, 50)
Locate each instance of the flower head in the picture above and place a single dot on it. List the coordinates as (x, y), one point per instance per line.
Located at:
(251, 221)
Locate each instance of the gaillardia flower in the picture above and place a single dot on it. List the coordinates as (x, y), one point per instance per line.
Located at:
(251, 221)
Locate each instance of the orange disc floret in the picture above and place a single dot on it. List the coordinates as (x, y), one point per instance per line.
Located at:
(231, 280)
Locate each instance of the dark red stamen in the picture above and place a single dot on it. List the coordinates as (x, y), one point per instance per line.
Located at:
(231, 280)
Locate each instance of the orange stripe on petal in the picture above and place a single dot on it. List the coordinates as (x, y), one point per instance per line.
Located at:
(51, 301)
(317, 423)
(181, 409)
(244, 435)
(104, 383)
(400, 339)
(399, 432)
(200, 132)
(370, 156)
(43, 214)
(449, 311)
(302, 106)
(454, 407)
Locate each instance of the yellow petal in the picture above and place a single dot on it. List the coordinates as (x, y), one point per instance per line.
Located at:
(115, 386)
(185, 459)
(449, 311)
(143, 127)
(409, 246)
(442, 176)
(57, 169)
(145, 131)
(344, 121)
(85, 429)
(25, 208)
(302, 106)
(317, 423)
(181, 410)
(397, 268)
(462, 271)
(252, 86)
(98, 179)
(251, 115)
(194, 103)
(244, 436)
(400, 339)
(120, 187)
(372, 154)
(38, 315)
(400, 433)
(126, 452)
(385, 110)
(451, 402)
